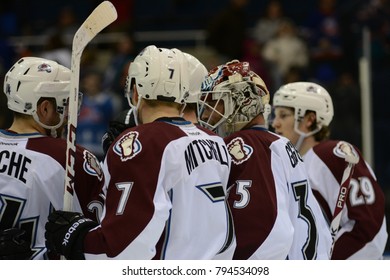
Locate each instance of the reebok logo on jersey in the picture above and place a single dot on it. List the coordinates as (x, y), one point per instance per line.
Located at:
(239, 151)
(128, 146)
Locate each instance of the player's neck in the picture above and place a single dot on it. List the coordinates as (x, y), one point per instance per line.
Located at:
(307, 144)
(190, 115)
(26, 126)
(257, 121)
(150, 114)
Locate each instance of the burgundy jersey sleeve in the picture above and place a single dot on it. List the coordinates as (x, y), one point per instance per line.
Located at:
(365, 204)
(88, 178)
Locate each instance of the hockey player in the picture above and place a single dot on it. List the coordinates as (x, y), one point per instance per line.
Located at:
(166, 179)
(274, 210)
(197, 73)
(32, 159)
(303, 112)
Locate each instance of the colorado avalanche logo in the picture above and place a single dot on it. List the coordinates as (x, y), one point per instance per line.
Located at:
(128, 146)
(344, 150)
(312, 89)
(44, 67)
(239, 151)
(91, 165)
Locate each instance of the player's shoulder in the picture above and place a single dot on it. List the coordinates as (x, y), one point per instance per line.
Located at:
(280, 144)
(259, 135)
(48, 149)
(132, 142)
(262, 142)
(334, 149)
(331, 153)
(47, 145)
(205, 130)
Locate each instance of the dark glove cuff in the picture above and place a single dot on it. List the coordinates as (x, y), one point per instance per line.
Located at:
(73, 242)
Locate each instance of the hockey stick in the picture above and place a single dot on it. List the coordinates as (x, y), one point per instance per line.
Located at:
(351, 157)
(101, 17)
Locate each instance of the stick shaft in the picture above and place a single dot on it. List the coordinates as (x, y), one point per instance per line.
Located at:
(101, 17)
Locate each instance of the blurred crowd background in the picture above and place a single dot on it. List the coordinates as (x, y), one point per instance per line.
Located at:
(284, 41)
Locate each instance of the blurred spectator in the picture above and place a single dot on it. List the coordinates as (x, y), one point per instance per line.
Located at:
(8, 27)
(226, 32)
(295, 74)
(55, 49)
(66, 24)
(97, 109)
(252, 54)
(8, 19)
(346, 122)
(125, 10)
(375, 15)
(6, 115)
(325, 43)
(117, 67)
(268, 24)
(284, 51)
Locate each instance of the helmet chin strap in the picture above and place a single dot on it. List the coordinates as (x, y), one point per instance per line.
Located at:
(303, 135)
(299, 142)
(51, 128)
(135, 110)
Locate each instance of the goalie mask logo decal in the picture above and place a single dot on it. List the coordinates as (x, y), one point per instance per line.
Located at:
(91, 165)
(128, 146)
(239, 151)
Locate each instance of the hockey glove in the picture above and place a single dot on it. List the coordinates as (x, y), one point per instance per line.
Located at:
(121, 123)
(65, 233)
(12, 246)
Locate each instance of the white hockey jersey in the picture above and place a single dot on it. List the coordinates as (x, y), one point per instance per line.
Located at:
(362, 233)
(32, 176)
(166, 195)
(275, 213)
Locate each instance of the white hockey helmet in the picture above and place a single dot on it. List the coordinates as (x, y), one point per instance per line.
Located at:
(243, 93)
(31, 78)
(156, 72)
(303, 96)
(197, 73)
